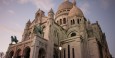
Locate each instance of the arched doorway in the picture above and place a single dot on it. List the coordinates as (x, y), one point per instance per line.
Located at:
(55, 53)
(11, 54)
(27, 52)
(42, 53)
(18, 53)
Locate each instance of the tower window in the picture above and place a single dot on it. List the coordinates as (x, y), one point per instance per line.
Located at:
(73, 21)
(60, 21)
(64, 20)
(78, 21)
(73, 34)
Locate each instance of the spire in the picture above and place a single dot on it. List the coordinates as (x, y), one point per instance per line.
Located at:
(51, 11)
(28, 24)
(74, 2)
(38, 10)
(29, 21)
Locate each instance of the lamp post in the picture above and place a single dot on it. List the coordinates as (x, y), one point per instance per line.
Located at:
(60, 48)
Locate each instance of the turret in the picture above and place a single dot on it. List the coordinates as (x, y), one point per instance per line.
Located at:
(26, 30)
(51, 13)
(38, 16)
(28, 24)
(39, 13)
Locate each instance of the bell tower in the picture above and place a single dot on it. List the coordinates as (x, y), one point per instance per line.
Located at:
(38, 16)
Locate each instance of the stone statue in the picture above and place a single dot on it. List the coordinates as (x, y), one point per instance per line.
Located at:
(14, 39)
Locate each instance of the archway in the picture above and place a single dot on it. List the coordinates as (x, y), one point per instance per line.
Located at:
(42, 53)
(55, 53)
(27, 52)
(18, 53)
(11, 54)
(73, 34)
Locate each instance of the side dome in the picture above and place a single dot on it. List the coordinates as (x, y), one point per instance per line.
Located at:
(65, 5)
(75, 11)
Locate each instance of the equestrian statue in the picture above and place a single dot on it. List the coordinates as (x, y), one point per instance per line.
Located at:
(14, 39)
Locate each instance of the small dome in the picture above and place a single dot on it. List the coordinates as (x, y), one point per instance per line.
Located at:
(65, 5)
(75, 11)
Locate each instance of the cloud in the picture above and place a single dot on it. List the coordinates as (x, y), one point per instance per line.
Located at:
(23, 1)
(10, 30)
(11, 11)
(4, 2)
(42, 4)
(105, 4)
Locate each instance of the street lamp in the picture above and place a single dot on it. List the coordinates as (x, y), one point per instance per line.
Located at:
(60, 48)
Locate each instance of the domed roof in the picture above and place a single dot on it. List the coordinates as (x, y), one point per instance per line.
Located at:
(65, 5)
(75, 11)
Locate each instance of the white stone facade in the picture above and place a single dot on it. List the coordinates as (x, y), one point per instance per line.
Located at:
(68, 28)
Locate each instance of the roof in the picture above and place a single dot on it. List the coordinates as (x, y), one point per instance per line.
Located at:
(75, 11)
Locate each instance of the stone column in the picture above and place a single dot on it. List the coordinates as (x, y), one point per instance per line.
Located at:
(78, 48)
(34, 48)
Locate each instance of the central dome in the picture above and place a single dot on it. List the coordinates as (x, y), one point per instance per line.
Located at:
(65, 5)
(75, 11)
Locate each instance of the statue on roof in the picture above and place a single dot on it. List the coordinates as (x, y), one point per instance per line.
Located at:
(38, 29)
(14, 39)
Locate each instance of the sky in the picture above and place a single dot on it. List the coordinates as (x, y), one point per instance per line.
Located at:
(15, 13)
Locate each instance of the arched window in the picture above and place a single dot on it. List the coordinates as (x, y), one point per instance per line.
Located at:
(27, 52)
(73, 53)
(18, 53)
(64, 53)
(78, 21)
(42, 53)
(11, 54)
(73, 34)
(73, 21)
(64, 20)
(60, 21)
(55, 53)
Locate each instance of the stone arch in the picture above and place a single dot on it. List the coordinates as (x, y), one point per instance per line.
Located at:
(18, 53)
(42, 53)
(11, 54)
(27, 52)
(73, 21)
(78, 21)
(60, 21)
(55, 53)
(72, 33)
(64, 20)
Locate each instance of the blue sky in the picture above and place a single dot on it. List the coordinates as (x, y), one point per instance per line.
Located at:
(15, 13)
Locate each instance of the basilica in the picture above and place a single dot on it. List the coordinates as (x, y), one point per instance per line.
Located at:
(64, 34)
